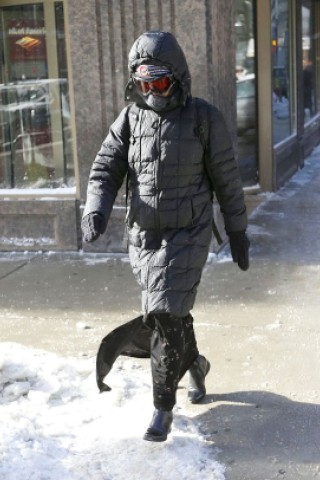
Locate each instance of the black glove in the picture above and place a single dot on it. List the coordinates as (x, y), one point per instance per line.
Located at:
(92, 225)
(239, 245)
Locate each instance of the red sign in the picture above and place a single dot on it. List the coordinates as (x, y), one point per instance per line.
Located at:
(27, 40)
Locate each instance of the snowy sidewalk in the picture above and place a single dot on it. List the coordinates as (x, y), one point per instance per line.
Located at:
(259, 329)
(55, 426)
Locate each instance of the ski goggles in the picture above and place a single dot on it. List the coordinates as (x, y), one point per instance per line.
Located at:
(154, 79)
(161, 86)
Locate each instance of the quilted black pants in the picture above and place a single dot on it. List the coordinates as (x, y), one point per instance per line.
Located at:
(173, 350)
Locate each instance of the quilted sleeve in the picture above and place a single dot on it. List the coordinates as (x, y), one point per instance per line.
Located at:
(109, 168)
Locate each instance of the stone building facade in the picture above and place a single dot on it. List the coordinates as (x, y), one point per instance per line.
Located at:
(62, 83)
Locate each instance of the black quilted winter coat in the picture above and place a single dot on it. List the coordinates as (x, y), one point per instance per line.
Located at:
(171, 182)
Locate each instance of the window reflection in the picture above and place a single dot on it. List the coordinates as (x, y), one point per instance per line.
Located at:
(246, 91)
(282, 71)
(28, 110)
(36, 141)
(311, 58)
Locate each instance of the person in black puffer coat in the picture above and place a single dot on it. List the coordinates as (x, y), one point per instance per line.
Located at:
(177, 153)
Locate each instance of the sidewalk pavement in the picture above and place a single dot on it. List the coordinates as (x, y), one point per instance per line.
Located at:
(258, 328)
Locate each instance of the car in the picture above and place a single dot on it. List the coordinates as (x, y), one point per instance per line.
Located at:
(246, 103)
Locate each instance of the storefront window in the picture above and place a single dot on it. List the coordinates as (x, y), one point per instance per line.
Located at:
(284, 118)
(35, 132)
(246, 91)
(311, 57)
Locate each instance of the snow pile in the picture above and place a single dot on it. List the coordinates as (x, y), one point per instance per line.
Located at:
(55, 425)
(27, 241)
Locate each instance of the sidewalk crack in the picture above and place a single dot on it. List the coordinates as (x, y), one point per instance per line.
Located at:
(19, 267)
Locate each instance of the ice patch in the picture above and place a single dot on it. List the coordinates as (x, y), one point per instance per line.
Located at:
(274, 326)
(258, 230)
(222, 257)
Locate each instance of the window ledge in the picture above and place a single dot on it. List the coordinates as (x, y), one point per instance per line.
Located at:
(7, 194)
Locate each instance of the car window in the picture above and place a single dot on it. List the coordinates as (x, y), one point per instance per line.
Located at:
(245, 88)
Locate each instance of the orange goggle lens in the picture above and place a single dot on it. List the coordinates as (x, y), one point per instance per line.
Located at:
(160, 86)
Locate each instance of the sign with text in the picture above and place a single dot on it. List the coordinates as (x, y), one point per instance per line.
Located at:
(27, 40)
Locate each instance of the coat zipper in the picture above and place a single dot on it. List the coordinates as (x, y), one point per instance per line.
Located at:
(158, 183)
(156, 210)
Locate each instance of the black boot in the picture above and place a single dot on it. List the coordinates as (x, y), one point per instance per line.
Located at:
(159, 427)
(198, 372)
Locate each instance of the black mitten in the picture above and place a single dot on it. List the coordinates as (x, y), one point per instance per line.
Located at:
(92, 225)
(239, 245)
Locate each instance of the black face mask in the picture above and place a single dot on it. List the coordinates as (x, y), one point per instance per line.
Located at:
(162, 104)
(157, 103)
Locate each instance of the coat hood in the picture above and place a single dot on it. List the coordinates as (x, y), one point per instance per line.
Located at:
(159, 48)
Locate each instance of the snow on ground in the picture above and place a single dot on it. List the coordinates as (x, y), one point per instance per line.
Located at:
(56, 426)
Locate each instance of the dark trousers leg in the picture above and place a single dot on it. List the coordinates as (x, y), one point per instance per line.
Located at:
(167, 348)
(173, 349)
(191, 351)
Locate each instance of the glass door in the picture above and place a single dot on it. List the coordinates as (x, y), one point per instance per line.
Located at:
(35, 132)
(247, 126)
(283, 70)
(311, 57)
